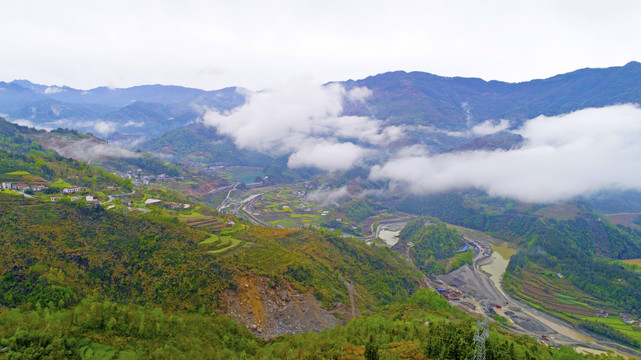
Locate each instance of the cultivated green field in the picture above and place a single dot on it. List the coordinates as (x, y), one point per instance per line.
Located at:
(287, 208)
(618, 324)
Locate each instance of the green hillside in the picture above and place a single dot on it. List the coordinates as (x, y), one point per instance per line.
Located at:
(424, 326)
(157, 260)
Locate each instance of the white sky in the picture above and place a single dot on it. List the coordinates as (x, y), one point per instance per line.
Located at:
(257, 44)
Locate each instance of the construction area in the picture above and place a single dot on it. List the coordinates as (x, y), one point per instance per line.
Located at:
(477, 290)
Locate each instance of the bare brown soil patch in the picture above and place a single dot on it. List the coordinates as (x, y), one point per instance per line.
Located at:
(625, 219)
(558, 212)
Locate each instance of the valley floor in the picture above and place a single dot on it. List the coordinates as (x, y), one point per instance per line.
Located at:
(481, 294)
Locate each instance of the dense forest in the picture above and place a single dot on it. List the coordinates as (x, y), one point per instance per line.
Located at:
(431, 241)
(423, 326)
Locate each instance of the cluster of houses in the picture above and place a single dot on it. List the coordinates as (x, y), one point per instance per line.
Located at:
(22, 187)
(138, 178)
(88, 198)
(165, 204)
(626, 318)
(66, 191)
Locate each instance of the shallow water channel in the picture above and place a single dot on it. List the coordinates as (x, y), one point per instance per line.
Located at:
(388, 235)
(496, 269)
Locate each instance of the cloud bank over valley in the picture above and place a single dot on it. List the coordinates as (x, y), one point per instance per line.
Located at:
(562, 157)
(305, 119)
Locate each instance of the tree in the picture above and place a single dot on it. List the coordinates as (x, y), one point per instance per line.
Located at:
(371, 349)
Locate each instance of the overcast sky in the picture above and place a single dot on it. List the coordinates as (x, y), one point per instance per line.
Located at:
(256, 44)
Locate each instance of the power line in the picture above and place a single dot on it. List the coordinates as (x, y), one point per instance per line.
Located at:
(482, 333)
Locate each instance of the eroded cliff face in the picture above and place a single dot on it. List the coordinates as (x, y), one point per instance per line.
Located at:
(269, 312)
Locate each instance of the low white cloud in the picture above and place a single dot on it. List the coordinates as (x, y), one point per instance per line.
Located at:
(134, 123)
(490, 127)
(326, 196)
(327, 156)
(53, 90)
(429, 129)
(414, 150)
(562, 157)
(359, 94)
(104, 127)
(89, 149)
(29, 123)
(305, 119)
(487, 127)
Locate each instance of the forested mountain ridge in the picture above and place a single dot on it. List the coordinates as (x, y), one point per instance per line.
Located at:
(455, 103)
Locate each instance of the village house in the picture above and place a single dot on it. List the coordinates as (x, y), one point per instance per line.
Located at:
(628, 319)
(38, 187)
(89, 198)
(71, 190)
(6, 185)
(230, 222)
(54, 198)
(20, 187)
(602, 314)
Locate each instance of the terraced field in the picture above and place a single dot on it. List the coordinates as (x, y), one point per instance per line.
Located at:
(223, 240)
(551, 293)
(625, 219)
(207, 223)
(287, 209)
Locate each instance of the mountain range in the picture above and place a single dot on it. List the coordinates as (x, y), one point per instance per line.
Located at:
(138, 112)
(435, 108)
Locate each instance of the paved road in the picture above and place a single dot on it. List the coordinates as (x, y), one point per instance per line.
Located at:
(226, 200)
(111, 197)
